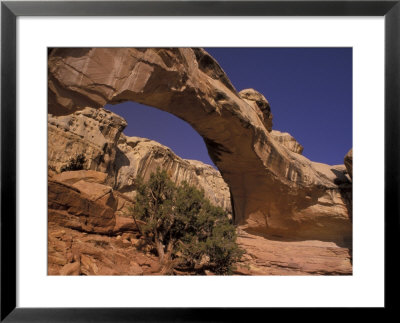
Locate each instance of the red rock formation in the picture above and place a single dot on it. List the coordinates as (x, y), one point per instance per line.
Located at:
(274, 190)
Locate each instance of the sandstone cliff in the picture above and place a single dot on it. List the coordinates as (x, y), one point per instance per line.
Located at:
(274, 190)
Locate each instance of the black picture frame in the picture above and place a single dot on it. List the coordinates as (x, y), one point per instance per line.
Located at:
(10, 10)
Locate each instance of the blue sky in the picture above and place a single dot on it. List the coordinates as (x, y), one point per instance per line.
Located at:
(309, 90)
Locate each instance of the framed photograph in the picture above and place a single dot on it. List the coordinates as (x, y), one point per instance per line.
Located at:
(105, 217)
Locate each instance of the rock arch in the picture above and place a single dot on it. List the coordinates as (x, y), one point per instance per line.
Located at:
(302, 199)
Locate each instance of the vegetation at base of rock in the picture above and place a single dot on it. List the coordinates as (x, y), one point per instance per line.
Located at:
(184, 228)
(75, 163)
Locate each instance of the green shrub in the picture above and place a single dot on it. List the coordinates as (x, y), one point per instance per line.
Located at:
(75, 163)
(184, 228)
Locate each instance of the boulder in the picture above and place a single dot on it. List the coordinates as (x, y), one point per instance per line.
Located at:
(99, 193)
(92, 183)
(125, 224)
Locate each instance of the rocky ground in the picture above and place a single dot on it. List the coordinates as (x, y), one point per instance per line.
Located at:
(265, 256)
(72, 252)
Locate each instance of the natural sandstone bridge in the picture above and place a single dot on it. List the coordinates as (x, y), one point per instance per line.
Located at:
(298, 198)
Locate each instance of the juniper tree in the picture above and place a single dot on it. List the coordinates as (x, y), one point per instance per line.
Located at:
(75, 163)
(184, 228)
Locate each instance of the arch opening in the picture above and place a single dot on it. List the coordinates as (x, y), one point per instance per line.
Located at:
(163, 127)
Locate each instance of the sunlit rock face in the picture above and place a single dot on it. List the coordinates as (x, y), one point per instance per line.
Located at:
(274, 190)
(91, 132)
(260, 105)
(285, 139)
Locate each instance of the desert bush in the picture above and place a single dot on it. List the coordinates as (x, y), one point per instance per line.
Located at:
(75, 163)
(184, 228)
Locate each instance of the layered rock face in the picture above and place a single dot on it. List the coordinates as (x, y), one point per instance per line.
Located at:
(123, 158)
(81, 200)
(274, 190)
